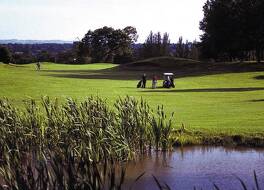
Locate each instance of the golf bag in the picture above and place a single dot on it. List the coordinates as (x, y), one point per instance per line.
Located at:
(139, 84)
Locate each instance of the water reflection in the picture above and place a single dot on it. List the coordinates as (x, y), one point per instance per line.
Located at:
(187, 167)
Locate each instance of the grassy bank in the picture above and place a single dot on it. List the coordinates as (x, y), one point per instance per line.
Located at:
(222, 108)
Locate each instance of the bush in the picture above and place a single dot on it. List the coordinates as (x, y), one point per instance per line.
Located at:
(5, 55)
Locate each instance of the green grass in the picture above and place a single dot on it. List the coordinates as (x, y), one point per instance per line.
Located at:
(219, 104)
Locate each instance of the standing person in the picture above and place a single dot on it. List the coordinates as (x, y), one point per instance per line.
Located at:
(154, 81)
(144, 80)
(38, 65)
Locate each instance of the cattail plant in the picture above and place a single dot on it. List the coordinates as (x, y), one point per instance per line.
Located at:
(162, 129)
(76, 145)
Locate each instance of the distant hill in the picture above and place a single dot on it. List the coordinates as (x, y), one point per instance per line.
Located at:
(16, 41)
(161, 63)
(186, 67)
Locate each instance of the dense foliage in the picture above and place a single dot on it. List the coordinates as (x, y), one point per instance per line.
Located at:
(233, 29)
(156, 45)
(30, 53)
(5, 55)
(107, 44)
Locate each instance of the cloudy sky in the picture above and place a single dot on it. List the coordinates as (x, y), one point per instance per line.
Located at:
(69, 19)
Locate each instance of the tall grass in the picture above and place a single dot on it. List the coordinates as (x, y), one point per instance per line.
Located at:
(76, 145)
(162, 129)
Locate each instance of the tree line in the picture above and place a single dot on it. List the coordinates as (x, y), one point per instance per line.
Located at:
(119, 46)
(105, 44)
(29, 53)
(233, 30)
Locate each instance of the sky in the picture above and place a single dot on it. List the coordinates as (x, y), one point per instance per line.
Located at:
(71, 19)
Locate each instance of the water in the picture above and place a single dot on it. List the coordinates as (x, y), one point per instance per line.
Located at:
(200, 167)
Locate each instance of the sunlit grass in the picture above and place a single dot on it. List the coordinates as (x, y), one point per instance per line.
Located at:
(213, 104)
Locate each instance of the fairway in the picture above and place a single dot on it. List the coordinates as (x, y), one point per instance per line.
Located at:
(219, 104)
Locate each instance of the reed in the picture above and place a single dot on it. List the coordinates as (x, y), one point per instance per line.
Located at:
(133, 119)
(162, 130)
(76, 145)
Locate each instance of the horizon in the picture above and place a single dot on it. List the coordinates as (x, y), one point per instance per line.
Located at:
(70, 21)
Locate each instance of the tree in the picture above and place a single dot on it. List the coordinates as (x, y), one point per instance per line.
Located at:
(148, 46)
(44, 55)
(187, 49)
(232, 28)
(155, 45)
(5, 55)
(219, 34)
(104, 44)
(179, 52)
(165, 44)
(194, 50)
(251, 17)
(23, 58)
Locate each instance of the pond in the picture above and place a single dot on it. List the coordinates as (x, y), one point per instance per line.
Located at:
(201, 167)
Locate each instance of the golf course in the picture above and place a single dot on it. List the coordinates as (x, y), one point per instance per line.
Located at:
(138, 95)
(216, 103)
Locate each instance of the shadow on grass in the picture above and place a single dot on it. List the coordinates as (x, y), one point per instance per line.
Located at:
(111, 74)
(258, 100)
(208, 90)
(260, 77)
(134, 72)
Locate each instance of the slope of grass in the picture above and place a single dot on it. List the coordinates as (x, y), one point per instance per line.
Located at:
(213, 105)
